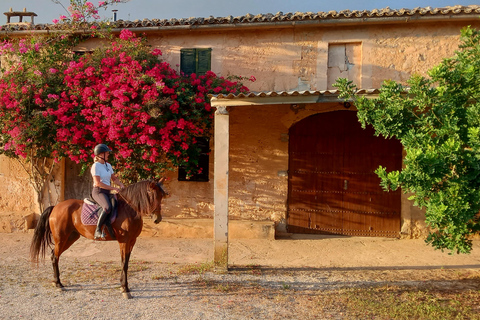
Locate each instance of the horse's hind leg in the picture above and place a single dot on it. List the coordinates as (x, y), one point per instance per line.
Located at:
(60, 246)
(56, 271)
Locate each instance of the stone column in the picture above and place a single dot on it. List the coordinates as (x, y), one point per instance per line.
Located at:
(220, 222)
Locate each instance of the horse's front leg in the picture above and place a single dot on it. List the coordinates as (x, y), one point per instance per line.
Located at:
(125, 250)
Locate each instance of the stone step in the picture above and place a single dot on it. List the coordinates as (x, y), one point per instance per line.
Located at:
(171, 228)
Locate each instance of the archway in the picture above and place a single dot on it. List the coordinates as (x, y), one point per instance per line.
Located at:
(333, 188)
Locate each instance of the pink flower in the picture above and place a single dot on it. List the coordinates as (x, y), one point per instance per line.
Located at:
(126, 34)
(157, 52)
(181, 124)
(55, 21)
(52, 70)
(37, 72)
(126, 153)
(15, 132)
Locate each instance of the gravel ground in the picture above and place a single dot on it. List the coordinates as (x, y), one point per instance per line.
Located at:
(176, 291)
(173, 290)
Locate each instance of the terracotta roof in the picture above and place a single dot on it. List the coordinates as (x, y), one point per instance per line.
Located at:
(289, 94)
(300, 17)
(282, 97)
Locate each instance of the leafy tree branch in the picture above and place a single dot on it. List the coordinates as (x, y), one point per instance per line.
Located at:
(437, 120)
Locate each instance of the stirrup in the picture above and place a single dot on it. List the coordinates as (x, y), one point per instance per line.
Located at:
(99, 235)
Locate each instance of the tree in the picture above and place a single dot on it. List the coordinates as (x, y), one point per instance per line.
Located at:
(82, 11)
(125, 96)
(437, 120)
(32, 69)
(54, 104)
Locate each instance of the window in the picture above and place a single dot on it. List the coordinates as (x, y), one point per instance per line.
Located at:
(344, 61)
(196, 61)
(77, 54)
(203, 163)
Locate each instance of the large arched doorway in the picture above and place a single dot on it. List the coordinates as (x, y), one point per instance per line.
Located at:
(332, 187)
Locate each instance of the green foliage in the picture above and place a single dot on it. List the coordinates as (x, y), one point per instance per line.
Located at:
(437, 120)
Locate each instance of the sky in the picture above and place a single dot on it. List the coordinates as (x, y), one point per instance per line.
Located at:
(47, 10)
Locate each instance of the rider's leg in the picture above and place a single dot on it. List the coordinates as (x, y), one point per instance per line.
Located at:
(103, 199)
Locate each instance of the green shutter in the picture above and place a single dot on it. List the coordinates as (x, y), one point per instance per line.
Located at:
(188, 61)
(203, 61)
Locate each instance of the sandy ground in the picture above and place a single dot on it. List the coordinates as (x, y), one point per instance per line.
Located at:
(291, 252)
(301, 277)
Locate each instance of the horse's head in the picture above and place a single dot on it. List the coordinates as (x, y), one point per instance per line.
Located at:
(159, 190)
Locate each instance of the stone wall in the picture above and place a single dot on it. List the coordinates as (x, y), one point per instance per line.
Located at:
(297, 58)
(18, 199)
(281, 59)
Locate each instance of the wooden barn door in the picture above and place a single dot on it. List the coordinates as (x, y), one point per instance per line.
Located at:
(333, 188)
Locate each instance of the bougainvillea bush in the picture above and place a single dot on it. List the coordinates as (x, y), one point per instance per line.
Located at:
(58, 105)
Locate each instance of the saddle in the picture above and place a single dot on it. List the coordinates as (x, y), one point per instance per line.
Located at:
(89, 215)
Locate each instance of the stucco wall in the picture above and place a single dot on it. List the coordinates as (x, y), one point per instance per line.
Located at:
(18, 198)
(297, 58)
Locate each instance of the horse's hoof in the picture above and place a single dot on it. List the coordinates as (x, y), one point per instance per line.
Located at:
(58, 287)
(127, 295)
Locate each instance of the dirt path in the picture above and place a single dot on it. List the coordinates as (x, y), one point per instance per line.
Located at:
(294, 252)
(288, 279)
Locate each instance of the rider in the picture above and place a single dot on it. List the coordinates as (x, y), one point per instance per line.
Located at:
(102, 174)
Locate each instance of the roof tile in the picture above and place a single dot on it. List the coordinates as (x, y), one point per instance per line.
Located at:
(278, 17)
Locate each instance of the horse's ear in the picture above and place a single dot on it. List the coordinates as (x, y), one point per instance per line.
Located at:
(152, 185)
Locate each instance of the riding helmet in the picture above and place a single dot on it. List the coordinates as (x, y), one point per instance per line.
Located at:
(101, 148)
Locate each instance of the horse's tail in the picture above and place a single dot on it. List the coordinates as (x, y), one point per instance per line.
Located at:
(42, 237)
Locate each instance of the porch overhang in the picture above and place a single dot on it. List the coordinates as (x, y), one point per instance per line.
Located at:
(284, 97)
(221, 154)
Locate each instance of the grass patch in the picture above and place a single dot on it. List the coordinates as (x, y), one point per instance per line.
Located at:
(285, 286)
(406, 303)
(197, 268)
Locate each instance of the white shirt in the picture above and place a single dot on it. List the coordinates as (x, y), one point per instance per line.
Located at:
(104, 171)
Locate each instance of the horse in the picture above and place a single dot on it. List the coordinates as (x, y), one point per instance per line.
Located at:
(62, 222)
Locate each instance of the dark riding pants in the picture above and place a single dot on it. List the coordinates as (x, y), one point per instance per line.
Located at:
(102, 197)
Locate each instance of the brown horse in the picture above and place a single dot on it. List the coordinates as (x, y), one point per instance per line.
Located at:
(63, 223)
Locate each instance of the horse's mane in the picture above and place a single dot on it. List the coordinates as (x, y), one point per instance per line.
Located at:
(141, 197)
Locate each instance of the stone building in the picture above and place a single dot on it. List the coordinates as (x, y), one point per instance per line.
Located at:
(290, 156)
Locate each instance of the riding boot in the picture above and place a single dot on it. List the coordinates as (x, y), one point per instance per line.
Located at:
(102, 216)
